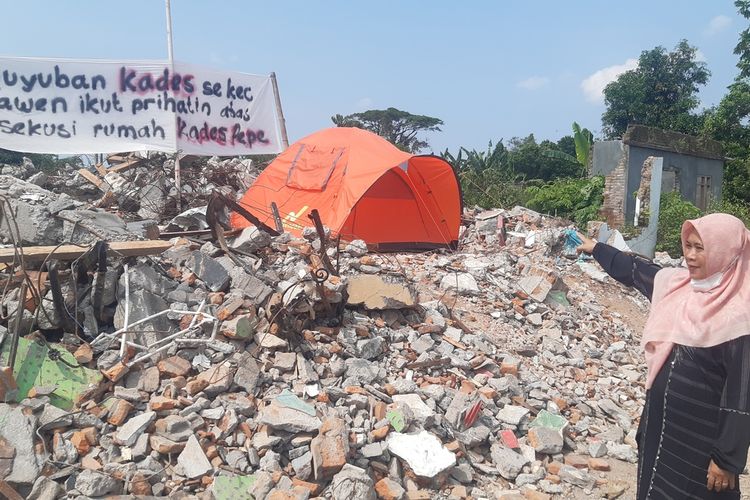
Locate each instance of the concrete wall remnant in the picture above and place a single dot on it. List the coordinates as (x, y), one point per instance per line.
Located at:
(693, 166)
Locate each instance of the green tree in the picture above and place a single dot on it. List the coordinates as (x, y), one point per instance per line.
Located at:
(567, 145)
(742, 48)
(673, 211)
(662, 91)
(535, 160)
(44, 162)
(729, 122)
(576, 199)
(399, 127)
(9, 157)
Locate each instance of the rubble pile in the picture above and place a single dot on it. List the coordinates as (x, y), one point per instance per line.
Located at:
(497, 371)
(143, 187)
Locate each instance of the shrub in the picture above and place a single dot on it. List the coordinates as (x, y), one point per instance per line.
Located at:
(490, 189)
(673, 211)
(736, 208)
(575, 199)
(487, 178)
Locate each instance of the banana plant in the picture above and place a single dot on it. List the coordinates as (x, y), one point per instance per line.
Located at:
(583, 140)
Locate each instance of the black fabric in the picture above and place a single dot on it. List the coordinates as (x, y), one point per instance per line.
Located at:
(682, 427)
(627, 268)
(730, 450)
(698, 408)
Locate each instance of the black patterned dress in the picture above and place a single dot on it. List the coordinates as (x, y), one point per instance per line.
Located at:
(697, 409)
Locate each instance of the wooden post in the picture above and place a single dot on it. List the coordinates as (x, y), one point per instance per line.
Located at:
(16, 333)
(315, 217)
(277, 217)
(280, 112)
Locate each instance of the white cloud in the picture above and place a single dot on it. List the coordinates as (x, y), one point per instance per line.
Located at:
(533, 83)
(717, 25)
(593, 85)
(363, 104)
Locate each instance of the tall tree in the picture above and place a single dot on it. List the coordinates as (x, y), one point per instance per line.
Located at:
(662, 91)
(742, 48)
(544, 160)
(399, 127)
(729, 122)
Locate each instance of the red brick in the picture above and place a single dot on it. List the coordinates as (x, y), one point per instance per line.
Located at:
(116, 372)
(380, 434)
(174, 366)
(119, 412)
(554, 467)
(509, 439)
(330, 448)
(313, 488)
(139, 485)
(165, 446)
(161, 403)
(78, 439)
(598, 464)
(577, 461)
(388, 489)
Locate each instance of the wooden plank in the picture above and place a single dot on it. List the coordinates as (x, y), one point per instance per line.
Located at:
(118, 157)
(70, 252)
(125, 166)
(100, 168)
(196, 232)
(96, 181)
(8, 491)
(454, 343)
(186, 159)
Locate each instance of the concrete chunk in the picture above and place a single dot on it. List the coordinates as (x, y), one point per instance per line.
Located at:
(18, 430)
(376, 292)
(129, 433)
(193, 460)
(352, 482)
(288, 419)
(209, 271)
(423, 451)
(508, 463)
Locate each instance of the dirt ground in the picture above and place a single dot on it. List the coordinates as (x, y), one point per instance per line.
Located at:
(632, 313)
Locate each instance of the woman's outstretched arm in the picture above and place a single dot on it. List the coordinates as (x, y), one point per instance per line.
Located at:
(627, 268)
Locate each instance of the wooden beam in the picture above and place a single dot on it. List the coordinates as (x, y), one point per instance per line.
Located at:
(100, 168)
(125, 166)
(118, 157)
(71, 252)
(196, 232)
(93, 179)
(8, 492)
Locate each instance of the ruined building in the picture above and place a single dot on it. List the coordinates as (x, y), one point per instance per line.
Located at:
(694, 166)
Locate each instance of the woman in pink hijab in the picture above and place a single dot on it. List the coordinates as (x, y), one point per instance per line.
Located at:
(694, 431)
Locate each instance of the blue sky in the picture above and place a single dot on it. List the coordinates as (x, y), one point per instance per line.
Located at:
(489, 69)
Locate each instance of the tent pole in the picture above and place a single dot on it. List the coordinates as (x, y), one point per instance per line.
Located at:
(279, 112)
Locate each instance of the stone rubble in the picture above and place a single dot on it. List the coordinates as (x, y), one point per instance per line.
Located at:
(483, 373)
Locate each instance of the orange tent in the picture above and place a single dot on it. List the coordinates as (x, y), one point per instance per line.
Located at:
(363, 187)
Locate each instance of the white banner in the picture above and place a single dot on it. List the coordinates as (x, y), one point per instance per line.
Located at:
(66, 106)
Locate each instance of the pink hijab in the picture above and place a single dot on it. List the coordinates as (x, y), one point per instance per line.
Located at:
(682, 314)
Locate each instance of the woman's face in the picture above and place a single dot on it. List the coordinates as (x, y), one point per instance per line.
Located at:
(695, 256)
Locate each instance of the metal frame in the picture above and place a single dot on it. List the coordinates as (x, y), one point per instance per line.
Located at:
(171, 340)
